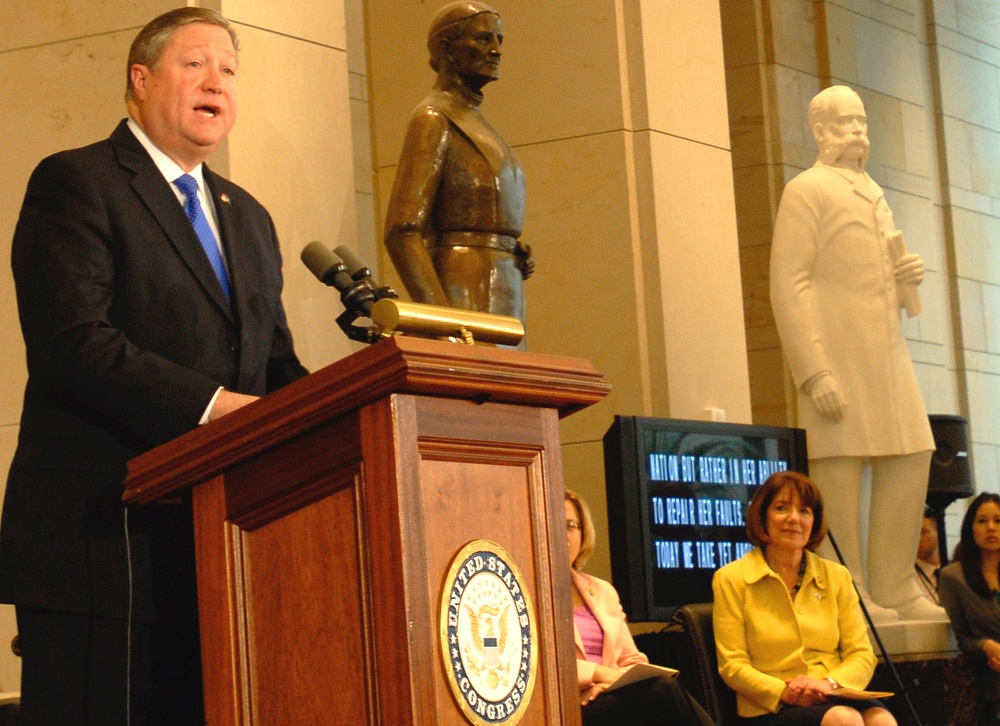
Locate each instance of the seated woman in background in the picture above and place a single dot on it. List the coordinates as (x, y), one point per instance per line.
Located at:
(605, 649)
(970, 590)
(788, 626)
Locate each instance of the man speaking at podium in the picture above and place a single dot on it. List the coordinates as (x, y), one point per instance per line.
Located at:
(148, 290)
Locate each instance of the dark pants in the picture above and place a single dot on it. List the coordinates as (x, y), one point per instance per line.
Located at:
(646, 703)
(73, 672)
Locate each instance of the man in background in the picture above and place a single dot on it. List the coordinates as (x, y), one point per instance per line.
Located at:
(928, 562)
(148, 291)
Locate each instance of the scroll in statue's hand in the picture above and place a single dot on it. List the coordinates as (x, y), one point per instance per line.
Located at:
(910, 269)
(827, 397)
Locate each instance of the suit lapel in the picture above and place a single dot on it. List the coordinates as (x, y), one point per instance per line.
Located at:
(162, 204)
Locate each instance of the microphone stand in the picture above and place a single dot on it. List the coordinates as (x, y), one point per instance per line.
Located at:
(878, 638)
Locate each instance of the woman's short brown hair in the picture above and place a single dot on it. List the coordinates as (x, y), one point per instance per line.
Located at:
(809, 495)
(586, 529)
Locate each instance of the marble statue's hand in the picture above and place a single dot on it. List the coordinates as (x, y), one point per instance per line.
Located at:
(827, 397)
(910, 269)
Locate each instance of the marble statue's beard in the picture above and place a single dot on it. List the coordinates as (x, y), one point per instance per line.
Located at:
(833, 151)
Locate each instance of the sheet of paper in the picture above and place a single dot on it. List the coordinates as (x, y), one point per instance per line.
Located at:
(640, 672)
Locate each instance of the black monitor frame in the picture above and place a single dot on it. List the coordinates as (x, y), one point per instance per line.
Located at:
(628, 486)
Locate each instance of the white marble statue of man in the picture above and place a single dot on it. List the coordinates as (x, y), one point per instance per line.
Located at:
(837, 292)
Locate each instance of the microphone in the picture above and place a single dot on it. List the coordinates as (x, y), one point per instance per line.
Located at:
(326, 266)
(355, 267)
(359, 271)
(356, 294)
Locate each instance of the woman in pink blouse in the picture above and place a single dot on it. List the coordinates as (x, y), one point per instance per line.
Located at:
(605, 649)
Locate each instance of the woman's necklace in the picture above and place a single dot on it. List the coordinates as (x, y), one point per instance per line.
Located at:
(802, 574)
(798, 582)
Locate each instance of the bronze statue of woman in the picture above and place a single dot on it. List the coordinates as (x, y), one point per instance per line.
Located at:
(457, 202)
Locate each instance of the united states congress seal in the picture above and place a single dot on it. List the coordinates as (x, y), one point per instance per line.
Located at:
(488, 635)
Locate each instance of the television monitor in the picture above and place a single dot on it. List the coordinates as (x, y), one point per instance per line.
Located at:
(677, 495)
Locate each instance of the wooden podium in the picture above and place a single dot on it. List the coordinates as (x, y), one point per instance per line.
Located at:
(327, 516)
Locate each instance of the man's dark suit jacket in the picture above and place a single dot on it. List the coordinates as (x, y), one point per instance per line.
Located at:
(128, 336)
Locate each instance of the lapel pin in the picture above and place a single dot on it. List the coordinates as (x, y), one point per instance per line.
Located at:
(224, 197)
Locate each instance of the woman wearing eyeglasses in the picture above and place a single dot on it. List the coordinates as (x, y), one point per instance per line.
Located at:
(605, 649)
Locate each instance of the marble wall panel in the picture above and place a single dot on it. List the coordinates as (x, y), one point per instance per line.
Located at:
(977, 256)
(889, 60)
(885, 130)
(325, 26)
(957, 149)
(685, 91)
(916, 141)
(991, 315)
(984, 158)
(794, 23)
(28, 23)
(583, 471)
(945, 13)
(984, 402)
(700, 280)
(972, 320)
(754, 188)
(979, 19)
(299, 165)
(589, 292)
(740, 43)
(755, 266)
(842, 43)
(769, 383)
(747, 128)
(901, 18)
(969, 90)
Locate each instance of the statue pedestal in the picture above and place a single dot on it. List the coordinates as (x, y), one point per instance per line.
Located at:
(916, 639)
(940, 683)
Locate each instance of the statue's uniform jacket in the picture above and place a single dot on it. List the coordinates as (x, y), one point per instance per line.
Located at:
(460, 187)
(835, 303)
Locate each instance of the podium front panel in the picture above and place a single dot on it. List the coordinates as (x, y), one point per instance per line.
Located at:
(464, 472)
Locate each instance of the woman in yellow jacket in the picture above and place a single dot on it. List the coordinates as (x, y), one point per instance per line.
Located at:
(788, 626)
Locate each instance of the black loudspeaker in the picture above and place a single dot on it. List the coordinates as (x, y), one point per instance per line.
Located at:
(951, 465)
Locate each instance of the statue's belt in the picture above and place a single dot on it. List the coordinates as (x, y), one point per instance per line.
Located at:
(502, 242)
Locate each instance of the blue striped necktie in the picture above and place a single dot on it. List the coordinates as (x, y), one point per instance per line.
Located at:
(189, 187)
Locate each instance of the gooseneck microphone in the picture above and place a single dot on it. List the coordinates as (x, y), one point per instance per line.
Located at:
(355, 292)
(355, 267)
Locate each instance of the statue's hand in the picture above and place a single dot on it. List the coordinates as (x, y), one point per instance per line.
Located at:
(827, 397)
(910, 269)
(525, 260)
